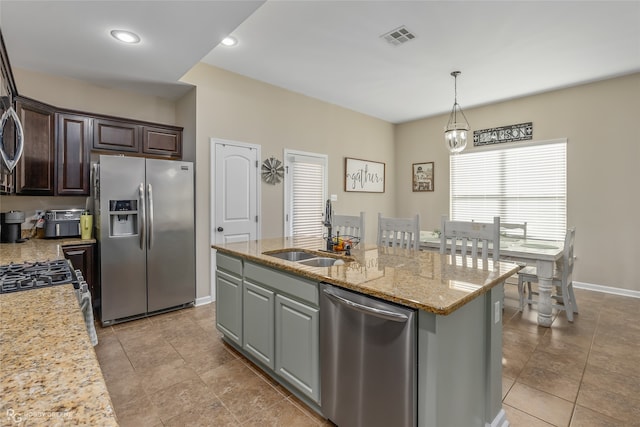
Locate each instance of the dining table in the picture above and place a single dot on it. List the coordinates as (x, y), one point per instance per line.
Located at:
(546, 255)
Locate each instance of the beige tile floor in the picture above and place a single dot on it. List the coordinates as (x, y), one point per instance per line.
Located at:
(173, 370)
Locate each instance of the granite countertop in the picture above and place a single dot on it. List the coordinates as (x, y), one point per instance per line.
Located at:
(49, 373)
(37, 250)
(424, 280)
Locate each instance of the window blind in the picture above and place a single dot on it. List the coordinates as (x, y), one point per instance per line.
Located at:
(519, 184)
(307, 190)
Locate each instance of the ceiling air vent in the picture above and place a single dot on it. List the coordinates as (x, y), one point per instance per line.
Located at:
(398, 36)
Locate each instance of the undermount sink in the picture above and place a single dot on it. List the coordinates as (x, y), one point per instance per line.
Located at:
(318, 262)
(292, 255)
(308, 258)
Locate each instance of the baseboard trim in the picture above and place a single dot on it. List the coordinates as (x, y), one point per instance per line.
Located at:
(204, 300)
(606, 289)
(499, 421)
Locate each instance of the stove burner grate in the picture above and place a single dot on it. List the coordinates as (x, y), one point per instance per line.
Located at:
(35, 275)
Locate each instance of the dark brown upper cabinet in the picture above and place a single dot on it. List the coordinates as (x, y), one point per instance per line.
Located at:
(163, 141)
(35, 172)
(73, 134)
(116, 135)
(126, 136)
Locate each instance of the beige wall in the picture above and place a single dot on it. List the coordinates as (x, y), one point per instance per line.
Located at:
(186, 117)
(233, 107)
(79, 95)
(603, 173)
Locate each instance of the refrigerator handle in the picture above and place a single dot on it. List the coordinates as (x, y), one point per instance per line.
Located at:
(142, 223)
(150, 199)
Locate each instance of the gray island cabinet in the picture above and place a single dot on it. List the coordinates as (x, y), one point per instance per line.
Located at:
(268, 309)
(273, 317)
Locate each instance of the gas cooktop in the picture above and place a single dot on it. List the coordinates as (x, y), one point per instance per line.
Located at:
(36, 275)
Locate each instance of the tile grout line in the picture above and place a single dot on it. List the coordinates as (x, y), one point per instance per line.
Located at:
(543, 391)
(593, 338)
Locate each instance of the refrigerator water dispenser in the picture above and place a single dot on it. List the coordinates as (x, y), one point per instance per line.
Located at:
(123, 217)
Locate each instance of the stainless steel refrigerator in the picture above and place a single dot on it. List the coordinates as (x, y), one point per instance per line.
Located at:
(145, 227)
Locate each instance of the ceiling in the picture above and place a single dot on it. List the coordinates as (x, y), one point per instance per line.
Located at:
(333, 50)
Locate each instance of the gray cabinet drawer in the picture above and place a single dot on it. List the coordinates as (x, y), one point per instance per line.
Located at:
(229, 263)
(297, 287)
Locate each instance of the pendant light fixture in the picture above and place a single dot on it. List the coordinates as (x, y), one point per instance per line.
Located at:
(455, 134)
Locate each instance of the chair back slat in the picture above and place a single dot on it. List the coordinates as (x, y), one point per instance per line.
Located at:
(399, 232)
(350, 225)
(480, 235)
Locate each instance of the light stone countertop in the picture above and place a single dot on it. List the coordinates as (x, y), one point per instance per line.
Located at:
(424, 280)
(37, 250)
(49, 373)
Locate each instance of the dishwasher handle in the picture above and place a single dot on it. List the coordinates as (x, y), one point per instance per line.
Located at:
(383, 314)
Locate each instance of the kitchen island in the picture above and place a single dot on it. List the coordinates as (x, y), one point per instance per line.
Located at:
(459, 318)
(49, 372)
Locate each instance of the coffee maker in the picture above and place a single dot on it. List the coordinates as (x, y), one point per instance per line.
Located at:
(10, 226)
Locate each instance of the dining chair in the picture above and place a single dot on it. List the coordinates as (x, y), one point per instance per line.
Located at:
(350, 225)
(564, 299)
(399, 232)
(481, 235)
(514, 229)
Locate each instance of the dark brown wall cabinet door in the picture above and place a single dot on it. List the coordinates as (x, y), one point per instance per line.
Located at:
(73, 143)
(82, 258)
(116, 135)
(35, 170)
(162, 142)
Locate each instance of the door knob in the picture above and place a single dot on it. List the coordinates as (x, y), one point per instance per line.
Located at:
(220, 229)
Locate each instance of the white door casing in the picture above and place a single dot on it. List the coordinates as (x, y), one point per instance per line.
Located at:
(235, 198)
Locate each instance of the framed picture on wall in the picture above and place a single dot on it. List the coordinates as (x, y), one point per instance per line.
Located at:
(363, 176)
(423, 176)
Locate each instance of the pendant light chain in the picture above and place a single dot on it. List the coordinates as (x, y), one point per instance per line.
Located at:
(456, 133)
(455, 95)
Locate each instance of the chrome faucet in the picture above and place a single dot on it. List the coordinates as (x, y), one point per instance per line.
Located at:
(328, 219)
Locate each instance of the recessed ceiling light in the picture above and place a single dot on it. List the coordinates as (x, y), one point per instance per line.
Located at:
(125, 36)
(229, 41)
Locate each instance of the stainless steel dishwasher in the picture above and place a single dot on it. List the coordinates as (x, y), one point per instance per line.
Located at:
(368, 360)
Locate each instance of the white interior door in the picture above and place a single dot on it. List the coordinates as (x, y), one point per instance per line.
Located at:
(236, 192)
